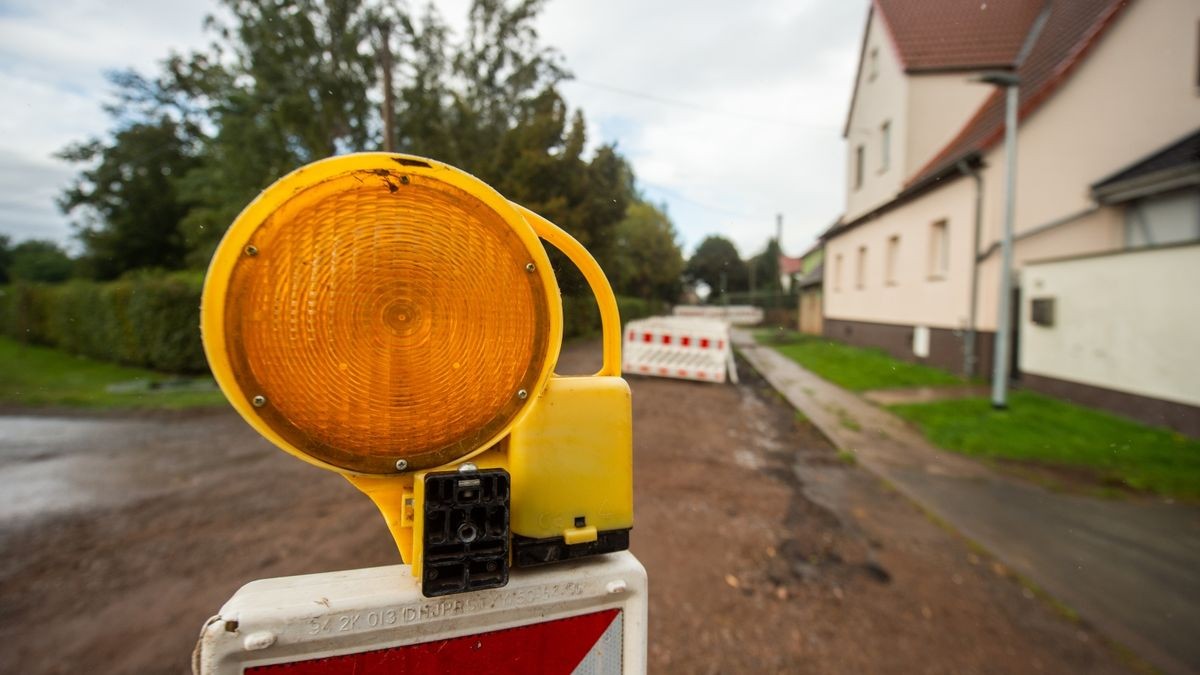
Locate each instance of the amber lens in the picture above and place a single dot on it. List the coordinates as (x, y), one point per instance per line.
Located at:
(382, 316)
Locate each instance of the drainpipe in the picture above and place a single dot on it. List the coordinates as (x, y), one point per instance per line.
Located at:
(970, 348)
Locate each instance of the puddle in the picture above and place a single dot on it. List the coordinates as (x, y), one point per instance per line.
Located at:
(51, 465)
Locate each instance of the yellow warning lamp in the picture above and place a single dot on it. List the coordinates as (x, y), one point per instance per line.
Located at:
(396, 320)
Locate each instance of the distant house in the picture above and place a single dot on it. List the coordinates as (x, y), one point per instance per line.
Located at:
(1108, 102)
(809, 285)
(789, 271)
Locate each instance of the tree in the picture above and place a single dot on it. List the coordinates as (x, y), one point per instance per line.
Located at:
(286, 84)
(488, 104)
(39, 261)
(128, 200)
(717, 257)
(5, 258)
(764, 268)
(649, 263)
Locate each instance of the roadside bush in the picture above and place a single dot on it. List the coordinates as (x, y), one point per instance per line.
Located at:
(152, 320)
(149, 320)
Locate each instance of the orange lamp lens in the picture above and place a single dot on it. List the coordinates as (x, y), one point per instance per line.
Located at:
(375, 317)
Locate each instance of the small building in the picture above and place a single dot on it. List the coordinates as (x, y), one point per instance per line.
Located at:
(811, 315)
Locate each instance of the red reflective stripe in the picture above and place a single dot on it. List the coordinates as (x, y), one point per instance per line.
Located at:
(720, 344)
(663, 371)
(666, 339)
(644, 369)
(552, 647)
(682, 372)
(685, 341)
(647, 337)
(632, 336)
(703, 343)
(700, 374)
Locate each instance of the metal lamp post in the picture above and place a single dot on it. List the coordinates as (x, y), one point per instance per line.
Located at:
(1000, 366)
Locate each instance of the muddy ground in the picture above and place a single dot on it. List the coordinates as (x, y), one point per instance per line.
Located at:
(766, 550)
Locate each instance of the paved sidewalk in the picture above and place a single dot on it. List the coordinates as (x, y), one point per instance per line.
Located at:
(1130, 568)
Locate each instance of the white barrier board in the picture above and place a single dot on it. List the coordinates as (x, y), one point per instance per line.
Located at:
(586, 616)
(681, 347)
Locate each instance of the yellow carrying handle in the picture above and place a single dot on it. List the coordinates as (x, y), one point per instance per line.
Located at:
(610, 318)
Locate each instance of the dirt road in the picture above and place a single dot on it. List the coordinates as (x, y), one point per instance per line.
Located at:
(766, 551)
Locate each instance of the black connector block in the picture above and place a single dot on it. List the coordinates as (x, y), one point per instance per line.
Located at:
(466, 534)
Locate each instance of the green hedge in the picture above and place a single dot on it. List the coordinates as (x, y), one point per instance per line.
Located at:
(152, 320)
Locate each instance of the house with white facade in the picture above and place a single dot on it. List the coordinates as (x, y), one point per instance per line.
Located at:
(1107, 196)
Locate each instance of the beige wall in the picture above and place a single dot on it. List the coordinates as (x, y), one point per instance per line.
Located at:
(939, 106)
(875, 102)
(1096, 231)
(1133, 94)
(1129, 322)
(915, 298)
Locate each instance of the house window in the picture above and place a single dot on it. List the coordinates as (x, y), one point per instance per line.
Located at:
(939, 251)
(891, 260)
(859, 153)
(837, 272)
(885, 150)
(873, 64)
(860, 274)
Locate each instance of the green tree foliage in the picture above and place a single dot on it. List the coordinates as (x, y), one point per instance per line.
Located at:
(286, 82)
(488, 104)
(127, 201)
(764, 268)
(649, 263)
(39, 261)
(716, 257)
(5, 258)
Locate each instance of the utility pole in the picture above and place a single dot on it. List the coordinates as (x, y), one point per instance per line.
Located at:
(385, 63)
(1000, 369)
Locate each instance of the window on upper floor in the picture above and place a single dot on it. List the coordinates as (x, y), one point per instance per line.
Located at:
(837, 272)
(873, 64)
(885, 145)
(891, 260)
(859, 159)
(939, 250)
(860, 274)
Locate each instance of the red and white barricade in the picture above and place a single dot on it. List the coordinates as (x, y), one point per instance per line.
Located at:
(680, 347)
(739, 315)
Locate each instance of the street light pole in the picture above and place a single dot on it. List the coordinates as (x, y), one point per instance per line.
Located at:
(1000, 365)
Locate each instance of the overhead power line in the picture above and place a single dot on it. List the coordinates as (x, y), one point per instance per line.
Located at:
(662, 100)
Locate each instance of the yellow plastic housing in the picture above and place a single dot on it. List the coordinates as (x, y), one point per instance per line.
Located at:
(377, 311)
(572, 457)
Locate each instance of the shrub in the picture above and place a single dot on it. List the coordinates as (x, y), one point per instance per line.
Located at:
(150, 320)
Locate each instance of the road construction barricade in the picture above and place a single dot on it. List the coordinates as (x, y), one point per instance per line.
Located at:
(738, 315)
(681, 347)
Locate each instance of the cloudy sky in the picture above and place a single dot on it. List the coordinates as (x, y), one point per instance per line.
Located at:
(729, 112)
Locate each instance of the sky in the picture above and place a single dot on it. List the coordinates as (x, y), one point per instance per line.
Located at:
(730, 113)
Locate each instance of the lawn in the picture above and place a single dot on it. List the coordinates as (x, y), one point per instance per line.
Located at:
(38, 376)
(853, 368)
(1045, 430)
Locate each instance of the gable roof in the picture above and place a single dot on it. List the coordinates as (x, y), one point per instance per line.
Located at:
(1070, 31)
(790, 265)
(932, 36)
(950, 35)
